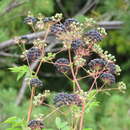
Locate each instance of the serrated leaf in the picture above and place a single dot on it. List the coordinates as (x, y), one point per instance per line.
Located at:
(20, 70)
(91, 95)
(91, 105)
(15, 122)
(10, 120)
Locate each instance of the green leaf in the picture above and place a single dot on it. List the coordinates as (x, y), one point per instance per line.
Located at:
(80, 18)
(66, 128)
(58, 122)
(87, 129)
(91, 95)
(20, 70)
(13, 129)
(61, 124)
(91, 105)
(10, 120)
(15, 122)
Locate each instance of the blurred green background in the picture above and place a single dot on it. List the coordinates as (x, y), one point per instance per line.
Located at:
(114, 110)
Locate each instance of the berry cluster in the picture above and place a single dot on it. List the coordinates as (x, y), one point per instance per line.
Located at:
(97, 64)
(106, 69)
(76, 44)
(62, 65)
(107, 78)
(47, 20)
(111, 68)
(79, 45)
(35, 124)
(35, 82)
(69, 21)
(67, 99)
(30, 20)
(94, 36)
(33, 54)
(57, 28)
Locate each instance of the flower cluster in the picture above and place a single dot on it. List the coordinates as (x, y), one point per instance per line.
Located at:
(80, 41)
(40, 98)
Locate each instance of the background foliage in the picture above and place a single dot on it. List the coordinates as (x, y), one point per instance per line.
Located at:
(114, 110)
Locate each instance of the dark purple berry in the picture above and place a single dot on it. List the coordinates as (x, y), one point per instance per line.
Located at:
(62, 65)
(93, 36)
(57, 28)
(35, 82)
(67, 99)
(77, 100)
(47, 20)
(30, 20)
(34, 53)
(35, 124)
(97, 64)
(76, 44)
(69, 21)
(107, 78)
(111, 68)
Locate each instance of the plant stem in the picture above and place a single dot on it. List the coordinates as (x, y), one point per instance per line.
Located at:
(82, 116)
(31, 103)
(72, 71)
(33, 88)
(50, 114)
(93, 84)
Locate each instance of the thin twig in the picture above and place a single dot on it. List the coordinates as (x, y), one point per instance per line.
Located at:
(8, 54)
(89, 4)
(13, 5)
(52, 39)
